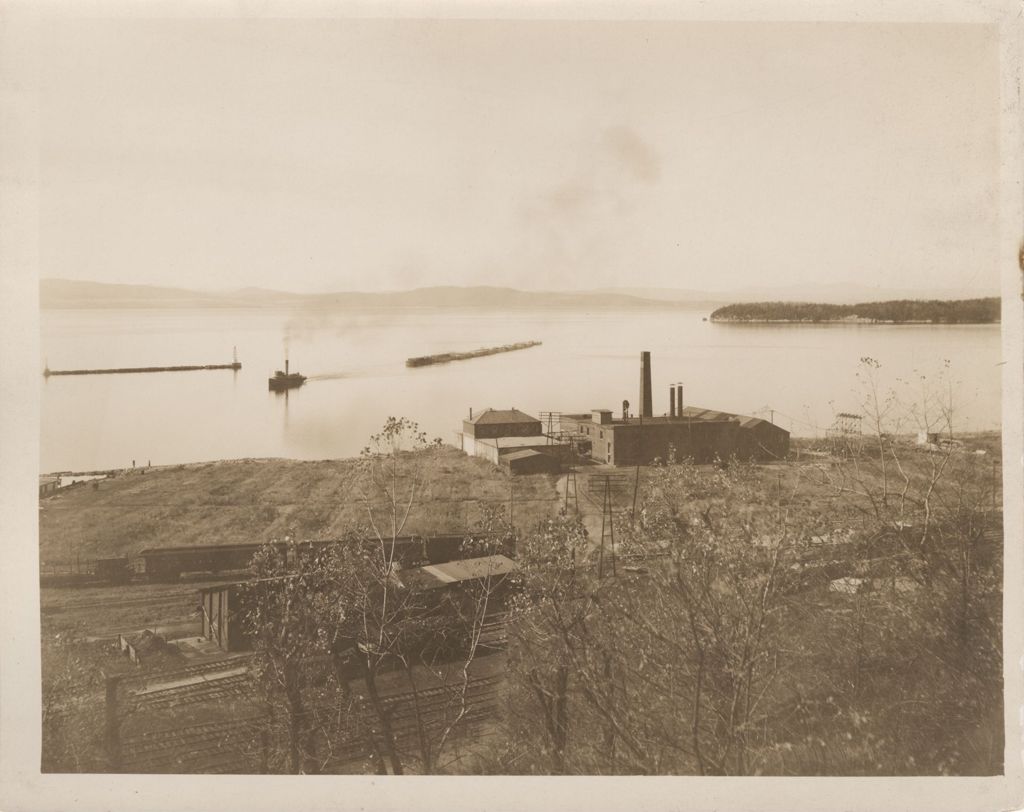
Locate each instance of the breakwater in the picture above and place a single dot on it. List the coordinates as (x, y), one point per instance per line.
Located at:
(445, 357)
(125, 370)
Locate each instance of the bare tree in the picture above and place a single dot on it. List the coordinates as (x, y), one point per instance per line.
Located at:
(555, 596)
(358, 606)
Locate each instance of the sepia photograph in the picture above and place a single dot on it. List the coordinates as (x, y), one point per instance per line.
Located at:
(512, 391)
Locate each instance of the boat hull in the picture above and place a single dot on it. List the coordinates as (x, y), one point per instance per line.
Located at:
(286, 382)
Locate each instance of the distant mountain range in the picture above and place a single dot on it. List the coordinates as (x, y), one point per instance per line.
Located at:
(64, 293)
(831, 293)
(69, 294)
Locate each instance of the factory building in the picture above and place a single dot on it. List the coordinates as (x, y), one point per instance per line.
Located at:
(702, 435)
(518, 441)
(492, 423)
(503, 436)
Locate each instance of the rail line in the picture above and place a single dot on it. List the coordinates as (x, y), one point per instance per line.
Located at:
(235, 746)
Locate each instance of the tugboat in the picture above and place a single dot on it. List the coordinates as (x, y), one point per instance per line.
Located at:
(285, 380)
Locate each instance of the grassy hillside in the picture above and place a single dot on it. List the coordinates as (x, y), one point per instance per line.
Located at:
(255, 500)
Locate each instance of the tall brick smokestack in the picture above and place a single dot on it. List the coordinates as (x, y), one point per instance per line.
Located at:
(672, 400)
(646, 402)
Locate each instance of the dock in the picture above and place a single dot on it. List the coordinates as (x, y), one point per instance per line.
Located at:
(445, 357)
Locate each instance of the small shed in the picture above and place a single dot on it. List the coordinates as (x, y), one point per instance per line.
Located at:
(435, 576)
(451, 583)
(224, 608)
(528, 461)
(48, 485)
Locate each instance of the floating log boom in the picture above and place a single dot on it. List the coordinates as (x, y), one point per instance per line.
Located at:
(445, 357)
(125, 370)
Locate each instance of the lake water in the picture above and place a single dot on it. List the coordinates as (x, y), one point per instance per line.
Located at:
(356, 366)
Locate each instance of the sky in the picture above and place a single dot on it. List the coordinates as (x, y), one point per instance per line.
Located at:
(324, 155)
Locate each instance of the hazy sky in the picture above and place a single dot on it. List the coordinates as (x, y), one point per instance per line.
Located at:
(366, 155)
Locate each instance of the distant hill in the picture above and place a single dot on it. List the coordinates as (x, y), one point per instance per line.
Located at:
(68, 294)
(834, 293)
(902, 311)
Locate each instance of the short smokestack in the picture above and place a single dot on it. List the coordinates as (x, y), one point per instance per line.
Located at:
(470, 412)
(285, 366)
(646, 402)
(679, 399)
(672, 401)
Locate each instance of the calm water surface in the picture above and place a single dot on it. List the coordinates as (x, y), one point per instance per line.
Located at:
(356, 365)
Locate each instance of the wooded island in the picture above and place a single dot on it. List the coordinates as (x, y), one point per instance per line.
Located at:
(902, 311)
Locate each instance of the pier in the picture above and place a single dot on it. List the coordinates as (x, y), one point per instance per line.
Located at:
(445, 357)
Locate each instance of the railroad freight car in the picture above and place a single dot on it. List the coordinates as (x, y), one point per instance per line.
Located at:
(169, 563)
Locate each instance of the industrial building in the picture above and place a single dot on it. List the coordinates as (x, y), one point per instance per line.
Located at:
(513, 439)
(702, 435)
(492, 423)
(525, 444)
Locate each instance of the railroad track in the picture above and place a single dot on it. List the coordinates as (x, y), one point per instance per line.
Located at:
(144, 600)
(228, 687)
(234, 746)
(203, 747)
(195, 669)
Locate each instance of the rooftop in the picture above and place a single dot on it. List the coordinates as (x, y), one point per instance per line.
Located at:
(692, 413)
(470, 569)
(514, 442)
(490, 416)
(524, 454)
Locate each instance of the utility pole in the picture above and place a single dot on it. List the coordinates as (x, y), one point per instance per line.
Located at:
(636, 487)
(607, 514)
(570, 485)
(778, 498)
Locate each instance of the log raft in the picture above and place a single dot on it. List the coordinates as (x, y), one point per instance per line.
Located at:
(47, 372)
(445, 357)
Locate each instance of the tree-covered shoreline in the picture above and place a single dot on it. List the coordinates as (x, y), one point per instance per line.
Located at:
(902, 311)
